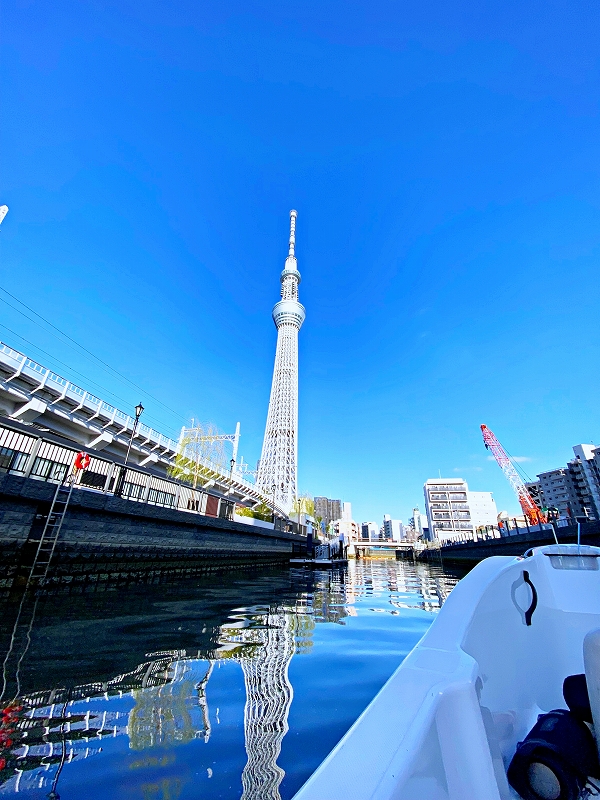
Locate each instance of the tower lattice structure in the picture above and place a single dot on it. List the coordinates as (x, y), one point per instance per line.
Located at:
(269, 695)
(278, 468)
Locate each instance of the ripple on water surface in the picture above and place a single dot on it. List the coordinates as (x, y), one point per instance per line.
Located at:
(228, 687)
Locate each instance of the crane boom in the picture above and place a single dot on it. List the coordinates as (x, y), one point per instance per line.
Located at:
(530, 509)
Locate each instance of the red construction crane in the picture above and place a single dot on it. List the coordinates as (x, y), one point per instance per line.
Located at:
(531, 511)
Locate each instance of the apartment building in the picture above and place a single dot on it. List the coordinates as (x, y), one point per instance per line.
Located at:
(393, 529)
(483, 509)
(447, 509)
(328, 510)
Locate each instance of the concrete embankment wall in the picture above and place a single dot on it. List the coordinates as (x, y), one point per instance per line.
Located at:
(473, 552)
(103, 528)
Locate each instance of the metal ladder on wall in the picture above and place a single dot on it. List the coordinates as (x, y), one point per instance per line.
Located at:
(38, 571)
(51, 531)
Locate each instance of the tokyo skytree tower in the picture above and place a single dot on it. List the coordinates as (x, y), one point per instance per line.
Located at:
(277, 471)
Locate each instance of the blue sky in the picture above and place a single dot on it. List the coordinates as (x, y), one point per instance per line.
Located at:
(444, 161)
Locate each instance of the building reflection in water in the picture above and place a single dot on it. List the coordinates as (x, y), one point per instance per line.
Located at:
(43, 732)
(175, 712)
(406, 584)
(51, 729)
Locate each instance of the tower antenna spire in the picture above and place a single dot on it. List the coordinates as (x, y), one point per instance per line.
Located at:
(293, 215)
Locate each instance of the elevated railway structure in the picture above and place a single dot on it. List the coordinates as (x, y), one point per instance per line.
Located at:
(44, 402)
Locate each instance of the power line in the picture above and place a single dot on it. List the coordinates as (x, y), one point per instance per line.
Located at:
(96, 385)
(85, 350)
(523, 474)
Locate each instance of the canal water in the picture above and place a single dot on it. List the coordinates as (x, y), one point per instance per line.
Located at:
(229, 686)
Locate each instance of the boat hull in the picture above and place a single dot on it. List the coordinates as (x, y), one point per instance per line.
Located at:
(447, 723)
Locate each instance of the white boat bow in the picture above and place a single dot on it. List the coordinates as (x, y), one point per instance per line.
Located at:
(447, 723)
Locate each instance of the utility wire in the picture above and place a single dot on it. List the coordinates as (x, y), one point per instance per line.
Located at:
(519, 469)
(85, 350)
(97, 386)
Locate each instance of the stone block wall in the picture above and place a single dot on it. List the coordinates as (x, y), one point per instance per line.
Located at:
(102, 526)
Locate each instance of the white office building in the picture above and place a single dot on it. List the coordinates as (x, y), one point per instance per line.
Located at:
(447, 508)
(370, 531)
(420, 524)
(483, 509)
(393, 529)
(419, 521)
(346, 512)
(584, 469)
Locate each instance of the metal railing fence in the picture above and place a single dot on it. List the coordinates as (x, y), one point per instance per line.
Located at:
(34, 457)
(510, 527)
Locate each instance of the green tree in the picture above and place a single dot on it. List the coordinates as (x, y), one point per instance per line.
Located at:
(260, 512)
(200, 455)
(304, 504)
(190, 470)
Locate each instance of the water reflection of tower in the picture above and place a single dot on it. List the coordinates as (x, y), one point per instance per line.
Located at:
(269, 696)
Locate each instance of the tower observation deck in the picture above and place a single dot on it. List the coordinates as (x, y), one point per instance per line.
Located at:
(277, 472)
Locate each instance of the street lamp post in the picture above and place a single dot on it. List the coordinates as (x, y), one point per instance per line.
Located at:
(231, 466)
(121, 479)
(138, 413)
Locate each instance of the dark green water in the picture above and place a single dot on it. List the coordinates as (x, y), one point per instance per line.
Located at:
(225, 687)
